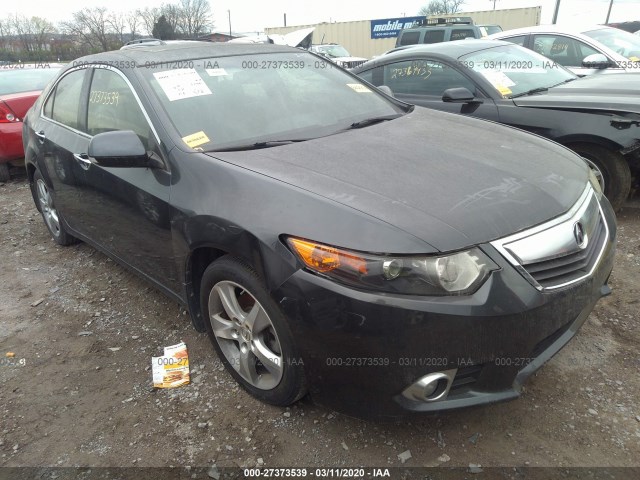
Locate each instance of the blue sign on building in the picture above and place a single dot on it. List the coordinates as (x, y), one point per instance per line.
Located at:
(390, 27)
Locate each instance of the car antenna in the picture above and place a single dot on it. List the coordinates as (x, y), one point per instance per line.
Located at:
(322, 41)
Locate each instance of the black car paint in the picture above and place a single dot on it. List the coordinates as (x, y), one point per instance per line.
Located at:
(602, 110)
(243, 202)
(582, 110)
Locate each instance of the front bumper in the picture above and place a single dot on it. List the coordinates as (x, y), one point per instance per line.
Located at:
(361, 350)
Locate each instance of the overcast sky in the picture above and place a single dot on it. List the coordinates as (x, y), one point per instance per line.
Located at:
(255, 15)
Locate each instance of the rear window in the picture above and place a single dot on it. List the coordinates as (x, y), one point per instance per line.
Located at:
(433, 36)
(409, 38)
(462, 34)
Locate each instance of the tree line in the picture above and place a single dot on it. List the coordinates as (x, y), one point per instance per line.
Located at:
(93, 30)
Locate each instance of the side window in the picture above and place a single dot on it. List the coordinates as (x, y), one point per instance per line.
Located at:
(433, 36)
(367, 76)
(62, 106)
(584, 51)
(423, 77)
(519, 40)
(113, 106)
(461, 34)
(562, 50)
(409, 38)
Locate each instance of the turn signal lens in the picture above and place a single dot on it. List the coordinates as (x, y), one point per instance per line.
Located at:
(323, 258)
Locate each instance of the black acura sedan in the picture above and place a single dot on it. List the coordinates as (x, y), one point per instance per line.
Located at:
(329, 239)
(597, 117)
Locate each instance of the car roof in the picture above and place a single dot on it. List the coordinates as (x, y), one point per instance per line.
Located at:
(566, 29)
(454, 49)
(177, 51)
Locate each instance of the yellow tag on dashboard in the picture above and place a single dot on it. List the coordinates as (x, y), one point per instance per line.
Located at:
(504, 90)
(634, 59)
(358, 87)
(196, 139)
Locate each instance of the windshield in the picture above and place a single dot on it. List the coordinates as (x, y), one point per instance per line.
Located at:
(333, 51)
(16, 78)
(219, 103)
(624, 43)
(513, 70)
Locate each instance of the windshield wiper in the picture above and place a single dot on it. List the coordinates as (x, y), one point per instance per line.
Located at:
(370, 121)
(530, 92)
(564, 81)
(258, 145)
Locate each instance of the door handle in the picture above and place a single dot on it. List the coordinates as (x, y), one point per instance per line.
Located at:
(41, 136)
(83, 159)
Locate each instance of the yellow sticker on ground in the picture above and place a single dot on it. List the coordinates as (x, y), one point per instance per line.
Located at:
(503, 90)
(196, 139)
(358, 87)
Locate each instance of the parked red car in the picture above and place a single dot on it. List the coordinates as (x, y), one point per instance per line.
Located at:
(20, 86)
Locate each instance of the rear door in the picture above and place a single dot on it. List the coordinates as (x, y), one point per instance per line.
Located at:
(60, 133)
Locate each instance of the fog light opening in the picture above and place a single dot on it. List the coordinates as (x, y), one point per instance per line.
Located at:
(431, 387)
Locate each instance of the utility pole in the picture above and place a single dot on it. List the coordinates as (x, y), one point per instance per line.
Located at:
(555, 12)
(285, 19)
(609, 12)
(229, 13)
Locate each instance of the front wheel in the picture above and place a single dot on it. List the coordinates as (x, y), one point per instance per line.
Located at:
(615, 171)
(250, 333)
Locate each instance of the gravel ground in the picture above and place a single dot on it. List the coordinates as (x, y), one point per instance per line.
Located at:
(86, 329)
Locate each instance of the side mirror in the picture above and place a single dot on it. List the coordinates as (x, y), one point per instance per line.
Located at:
(459, 95)
(120, 148)
(597, 60)
(386, 90)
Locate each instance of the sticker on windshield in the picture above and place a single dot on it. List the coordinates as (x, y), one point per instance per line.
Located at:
(182, 83)
(358, 87)
(503, 90)
(216, 72)
(497, 78)
(196, 139)
(634, 59)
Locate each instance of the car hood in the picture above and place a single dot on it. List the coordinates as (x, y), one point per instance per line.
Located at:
(615, 92)
(449, 180)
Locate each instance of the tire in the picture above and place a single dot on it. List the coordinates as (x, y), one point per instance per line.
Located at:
(615, 171)
(249, 332)
(46, 205)
(4, 172)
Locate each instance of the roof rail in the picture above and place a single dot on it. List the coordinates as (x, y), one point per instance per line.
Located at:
(438, 21)
(143, 41)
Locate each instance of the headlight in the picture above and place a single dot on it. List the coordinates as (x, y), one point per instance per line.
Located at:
(460, 273)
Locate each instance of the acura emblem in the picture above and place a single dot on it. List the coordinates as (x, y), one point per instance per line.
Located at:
(580, 235)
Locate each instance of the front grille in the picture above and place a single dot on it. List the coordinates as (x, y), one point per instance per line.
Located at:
(565, 269)
(563, 251)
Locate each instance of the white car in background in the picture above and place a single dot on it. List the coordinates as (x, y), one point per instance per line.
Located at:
(598, 49)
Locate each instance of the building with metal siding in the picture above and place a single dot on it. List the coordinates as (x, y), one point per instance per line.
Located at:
(356, 36)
